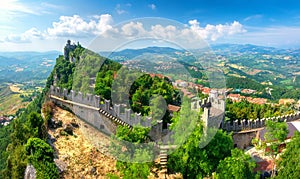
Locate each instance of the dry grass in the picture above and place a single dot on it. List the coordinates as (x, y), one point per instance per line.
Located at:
(11, 103)
(80, 154)
(15, 88)
(88, 149)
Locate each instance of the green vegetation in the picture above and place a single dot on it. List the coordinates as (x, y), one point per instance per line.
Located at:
(288, 164)
(15, 136)
(281, 92)
(195, 162)
(243, 83)
(246, 110)
(238, 165)
(105, 78)
(276, 133)
(145, 88)
(134, 160)
(40, 155)
(24, 140)
(63, 72)
(5, 140)
(189, 159)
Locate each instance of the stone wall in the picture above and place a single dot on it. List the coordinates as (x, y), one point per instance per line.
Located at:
(257, 123)
(243, 140)
(105, 116)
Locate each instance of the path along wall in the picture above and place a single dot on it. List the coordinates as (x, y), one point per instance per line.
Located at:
(102, 114)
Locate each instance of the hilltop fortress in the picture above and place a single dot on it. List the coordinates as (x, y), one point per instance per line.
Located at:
(69, 48)
(105, 116)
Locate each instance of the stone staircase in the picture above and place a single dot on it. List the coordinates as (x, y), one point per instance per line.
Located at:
(114, 118)
(163, 157)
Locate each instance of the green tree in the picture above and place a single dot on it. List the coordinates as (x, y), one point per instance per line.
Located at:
(136, 169)
(238, 165)
(134, 160)
(195, 162)
(41, 157)
(289, 164)
(276, 133)
(189, 159)
(35, 126)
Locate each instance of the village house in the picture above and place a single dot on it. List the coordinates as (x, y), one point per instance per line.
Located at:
(248, 91)
(173, 108)
(286, 101)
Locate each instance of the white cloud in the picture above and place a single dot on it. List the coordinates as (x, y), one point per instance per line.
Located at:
(133, 29)
(76, 26)
(12, 10)
(119, 10)
(14, 6)
(152, 6)
(214, 32)
(192, 31)
(25, 37)
(256, 16)
(84, 29)
(52, 6)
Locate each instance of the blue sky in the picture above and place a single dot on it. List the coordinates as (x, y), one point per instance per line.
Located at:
(36, 25)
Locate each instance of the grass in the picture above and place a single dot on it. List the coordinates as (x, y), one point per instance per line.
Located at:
(10, 100)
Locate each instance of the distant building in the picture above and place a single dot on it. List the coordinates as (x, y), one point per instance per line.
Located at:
(248, 91)
(4, 121)
(238, 97)
(173, 108)
(69, 48)
(205, 90)
(286, 101)
(234, 97)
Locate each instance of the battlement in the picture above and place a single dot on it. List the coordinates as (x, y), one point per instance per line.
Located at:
(218, 104)
(88, 99)
(111, 111)
(257, 123)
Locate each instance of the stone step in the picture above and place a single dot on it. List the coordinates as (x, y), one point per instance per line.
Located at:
(164, 167)
(163, 170)
(163, 160)
(163, 156)
(163, 153)
(163, 163)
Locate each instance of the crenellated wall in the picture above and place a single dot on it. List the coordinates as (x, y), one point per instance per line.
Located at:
(236, 126)
(105, 117)
(257, 123)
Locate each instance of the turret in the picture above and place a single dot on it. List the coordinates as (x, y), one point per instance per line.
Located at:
(69, 48)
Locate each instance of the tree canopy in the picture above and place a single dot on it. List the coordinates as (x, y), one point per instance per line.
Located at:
(238, 165)
(246, 110)
(289, 164)
(134, 160)
(276, 133)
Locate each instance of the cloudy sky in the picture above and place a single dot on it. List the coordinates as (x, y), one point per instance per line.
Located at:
(36, 25)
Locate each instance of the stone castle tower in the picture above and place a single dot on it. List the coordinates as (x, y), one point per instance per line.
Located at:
(69, 48)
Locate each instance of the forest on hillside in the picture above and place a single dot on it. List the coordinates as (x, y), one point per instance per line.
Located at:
(24, 141)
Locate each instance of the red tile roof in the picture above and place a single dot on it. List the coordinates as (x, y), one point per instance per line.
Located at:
(173, 108)
(265, 165)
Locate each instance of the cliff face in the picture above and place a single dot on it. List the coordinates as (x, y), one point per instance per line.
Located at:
(75, 155)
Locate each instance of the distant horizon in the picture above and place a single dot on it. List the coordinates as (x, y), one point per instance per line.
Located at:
(136, 48)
